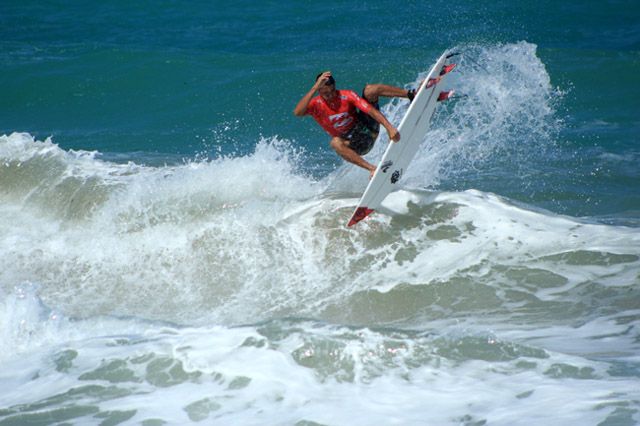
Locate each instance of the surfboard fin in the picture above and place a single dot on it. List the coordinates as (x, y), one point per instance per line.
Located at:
(360, 213)
(444, 96)
(432, 82)
(447, 69)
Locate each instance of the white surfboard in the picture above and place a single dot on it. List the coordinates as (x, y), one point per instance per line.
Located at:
(412, 128)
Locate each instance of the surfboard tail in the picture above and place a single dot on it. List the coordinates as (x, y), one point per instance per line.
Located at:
(359, 214)
(446, 69)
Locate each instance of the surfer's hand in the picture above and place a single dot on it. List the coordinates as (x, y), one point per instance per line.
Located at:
(394, 135)
(322, 80)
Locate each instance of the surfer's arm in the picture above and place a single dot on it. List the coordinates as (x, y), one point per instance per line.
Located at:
(393, 133)
(301, 108)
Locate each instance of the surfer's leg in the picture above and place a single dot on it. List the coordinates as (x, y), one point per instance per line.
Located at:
(341, 146)
(372, 92)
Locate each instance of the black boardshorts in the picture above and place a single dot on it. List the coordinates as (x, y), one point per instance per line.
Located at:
(363, 135)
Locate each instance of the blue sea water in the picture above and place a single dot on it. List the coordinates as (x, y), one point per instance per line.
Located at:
(173, 245)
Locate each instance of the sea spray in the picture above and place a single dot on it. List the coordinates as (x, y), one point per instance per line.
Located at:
(503, 120)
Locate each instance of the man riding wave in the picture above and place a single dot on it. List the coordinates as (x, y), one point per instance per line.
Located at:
(352, 121)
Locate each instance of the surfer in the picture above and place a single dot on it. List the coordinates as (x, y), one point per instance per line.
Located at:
(352, 121)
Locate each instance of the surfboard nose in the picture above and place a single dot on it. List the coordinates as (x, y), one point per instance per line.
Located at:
(359, 214)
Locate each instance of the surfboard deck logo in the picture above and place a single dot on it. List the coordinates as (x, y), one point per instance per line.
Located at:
(412, 128)
(385, 166)
(395, 177)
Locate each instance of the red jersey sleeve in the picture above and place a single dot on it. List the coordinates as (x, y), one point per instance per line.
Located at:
(357, 101)
(311, 108)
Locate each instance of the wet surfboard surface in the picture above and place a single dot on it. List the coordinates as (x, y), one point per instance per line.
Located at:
(412, 128)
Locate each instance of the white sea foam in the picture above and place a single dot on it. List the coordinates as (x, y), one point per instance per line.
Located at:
(183, 236)
(294, 371)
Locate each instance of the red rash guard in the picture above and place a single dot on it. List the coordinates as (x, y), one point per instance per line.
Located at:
(338, 116)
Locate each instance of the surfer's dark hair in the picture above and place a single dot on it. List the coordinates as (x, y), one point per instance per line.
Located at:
(330, 81)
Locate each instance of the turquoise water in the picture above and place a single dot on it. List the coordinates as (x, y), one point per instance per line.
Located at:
(173, 245)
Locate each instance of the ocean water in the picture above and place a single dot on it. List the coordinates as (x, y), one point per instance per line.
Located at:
(173, 247)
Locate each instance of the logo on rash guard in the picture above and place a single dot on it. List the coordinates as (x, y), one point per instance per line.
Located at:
(340, 120)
